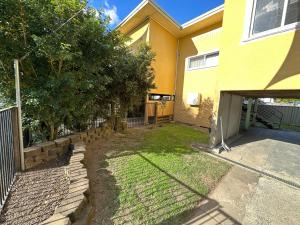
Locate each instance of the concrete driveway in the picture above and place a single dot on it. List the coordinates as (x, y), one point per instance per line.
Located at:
(272, 151)
(246, 196)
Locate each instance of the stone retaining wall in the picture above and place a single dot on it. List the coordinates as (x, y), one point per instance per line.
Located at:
(36, 155)
(76, 201)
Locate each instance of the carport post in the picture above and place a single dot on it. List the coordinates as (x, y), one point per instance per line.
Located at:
(248, 115)
(255, 111)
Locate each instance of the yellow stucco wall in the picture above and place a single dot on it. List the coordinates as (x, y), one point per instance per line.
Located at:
(164, 44)
(262, 64)
(269, 63)
(139, 35)
(201, 81)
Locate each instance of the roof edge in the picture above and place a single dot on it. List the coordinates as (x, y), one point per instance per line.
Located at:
(168, 17)
(141, 5)
(132, 13)
(203, 16)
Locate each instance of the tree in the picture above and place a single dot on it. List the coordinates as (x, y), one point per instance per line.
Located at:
(132, 76)
(288, 100)
(71, 72)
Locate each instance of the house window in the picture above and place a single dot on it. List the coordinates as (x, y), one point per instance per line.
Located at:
(292, 12)
(161, 97)
(203, 61)
(274, 14)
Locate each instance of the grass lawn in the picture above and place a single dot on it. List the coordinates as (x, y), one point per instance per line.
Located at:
(291, 128)
(160, 178)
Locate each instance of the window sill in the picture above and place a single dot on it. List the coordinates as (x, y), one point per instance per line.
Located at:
(274, 32)
(201, 68)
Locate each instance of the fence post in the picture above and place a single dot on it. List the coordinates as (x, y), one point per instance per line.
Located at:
(156, 112)
(16, 139)
(18, 101)
(146, 118)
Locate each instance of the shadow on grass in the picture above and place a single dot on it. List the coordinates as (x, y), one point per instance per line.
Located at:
(148, 194)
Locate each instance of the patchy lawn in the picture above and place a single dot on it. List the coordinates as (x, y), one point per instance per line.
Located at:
(290, 128)
(151, 176)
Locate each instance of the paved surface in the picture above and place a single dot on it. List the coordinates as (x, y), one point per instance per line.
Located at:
(272, 151)
(245, 197)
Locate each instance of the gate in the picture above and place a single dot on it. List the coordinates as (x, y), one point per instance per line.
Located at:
(9, 151)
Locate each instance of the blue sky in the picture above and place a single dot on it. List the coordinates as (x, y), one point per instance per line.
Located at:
(181, 10)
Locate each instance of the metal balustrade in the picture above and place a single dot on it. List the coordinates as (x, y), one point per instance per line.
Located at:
(8, 145)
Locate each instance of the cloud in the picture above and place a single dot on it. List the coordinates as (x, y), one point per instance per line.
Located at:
(111, 12)
(97, 14)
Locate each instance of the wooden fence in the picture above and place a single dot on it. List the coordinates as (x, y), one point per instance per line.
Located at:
(291, 114)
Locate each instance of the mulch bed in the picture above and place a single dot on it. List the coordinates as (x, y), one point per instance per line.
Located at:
(36, 193)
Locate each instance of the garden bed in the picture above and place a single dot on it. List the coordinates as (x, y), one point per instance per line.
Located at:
(36, 193)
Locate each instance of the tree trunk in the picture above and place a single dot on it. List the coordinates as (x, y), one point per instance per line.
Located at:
(53, 132)
(113, 115)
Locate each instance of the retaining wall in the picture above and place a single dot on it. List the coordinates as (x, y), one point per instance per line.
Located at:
(41, 153)
(71, 208)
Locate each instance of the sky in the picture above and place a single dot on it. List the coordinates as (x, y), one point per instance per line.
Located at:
(181, 10)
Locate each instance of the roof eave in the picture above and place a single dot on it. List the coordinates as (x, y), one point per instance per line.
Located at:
(203, 16)
(132, 13)
(143, 4)
(180, 30)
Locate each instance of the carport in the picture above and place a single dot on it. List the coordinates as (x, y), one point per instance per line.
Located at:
(273, 151)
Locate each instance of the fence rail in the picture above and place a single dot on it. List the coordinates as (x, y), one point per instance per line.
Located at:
(8, 151)
(64, 131)
(135, 122)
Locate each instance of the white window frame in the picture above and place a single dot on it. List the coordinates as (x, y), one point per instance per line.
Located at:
(249, 22)
(202, 54)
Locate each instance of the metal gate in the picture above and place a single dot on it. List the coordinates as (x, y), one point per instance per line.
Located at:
(8, 154)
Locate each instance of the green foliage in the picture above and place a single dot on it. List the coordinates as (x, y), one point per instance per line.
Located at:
(71, 73)
(287, 100)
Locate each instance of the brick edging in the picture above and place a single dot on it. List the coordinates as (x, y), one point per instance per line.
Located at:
(77, 199)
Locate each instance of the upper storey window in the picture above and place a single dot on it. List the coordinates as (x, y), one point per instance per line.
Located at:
(272, 15)
(292, 12)
(203, 61)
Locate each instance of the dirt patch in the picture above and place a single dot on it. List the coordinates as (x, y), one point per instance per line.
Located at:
(36, 193)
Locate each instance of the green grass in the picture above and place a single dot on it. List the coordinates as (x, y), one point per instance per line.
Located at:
(162, 178)
(290, 128)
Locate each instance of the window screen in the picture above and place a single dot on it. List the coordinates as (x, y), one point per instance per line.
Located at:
(268, 15)
(203, 61)
(196, 62)
(293, 12)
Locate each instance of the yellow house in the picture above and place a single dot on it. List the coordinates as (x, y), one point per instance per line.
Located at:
(204, 68)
